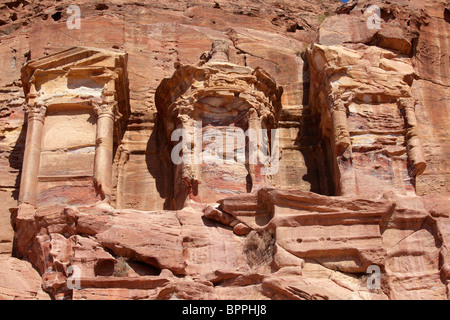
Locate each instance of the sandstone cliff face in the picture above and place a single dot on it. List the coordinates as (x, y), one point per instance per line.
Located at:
(363, 176)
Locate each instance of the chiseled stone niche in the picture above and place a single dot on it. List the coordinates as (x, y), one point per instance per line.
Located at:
(216, 103)
(77, 102)
(68, 142)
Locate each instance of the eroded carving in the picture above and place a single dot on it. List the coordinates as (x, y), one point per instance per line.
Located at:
(72, 85)
(369, 121)
(213, 100)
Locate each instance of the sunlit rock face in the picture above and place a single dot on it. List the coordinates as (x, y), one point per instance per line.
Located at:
(224, 150)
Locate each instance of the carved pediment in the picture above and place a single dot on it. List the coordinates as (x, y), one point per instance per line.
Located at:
(78, 75)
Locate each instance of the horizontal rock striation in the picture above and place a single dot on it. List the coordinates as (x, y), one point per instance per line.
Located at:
(95, 207)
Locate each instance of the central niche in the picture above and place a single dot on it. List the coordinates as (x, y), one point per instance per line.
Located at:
(219, 120)
(222, 123)
(68, 141)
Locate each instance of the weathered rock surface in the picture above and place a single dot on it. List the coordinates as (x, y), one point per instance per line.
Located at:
(363, 175)
(304, 246)
(20, 281)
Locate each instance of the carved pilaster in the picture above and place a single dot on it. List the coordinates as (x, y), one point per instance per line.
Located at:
(343, 146)
(104, 148)
(254, 125)
(338, 112)
(416, 156)
(31, 161)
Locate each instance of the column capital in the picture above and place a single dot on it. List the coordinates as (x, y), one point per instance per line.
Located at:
(105, 108)
(36, 111)
(406, 102)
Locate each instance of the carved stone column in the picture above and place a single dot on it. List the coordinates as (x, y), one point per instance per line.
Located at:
(416, 156)
(31, 161)
(343, 145)
(104, 149)
(254, 125)
(338, 113)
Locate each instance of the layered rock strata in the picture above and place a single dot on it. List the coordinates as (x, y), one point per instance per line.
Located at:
(358, 207)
